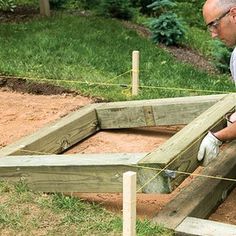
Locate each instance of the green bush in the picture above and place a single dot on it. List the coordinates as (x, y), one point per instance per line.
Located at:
(142, 5)
(120, 9)
(191, 12)
(161, 5)
(57, 4)
(7, 5)
(167, 29)
(221, 56)
(88, 4)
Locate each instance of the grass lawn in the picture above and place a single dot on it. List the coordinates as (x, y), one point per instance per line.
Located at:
(26, 213)
(75, 50)
(87, 54)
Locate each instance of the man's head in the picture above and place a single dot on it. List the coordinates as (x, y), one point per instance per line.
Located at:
(220, 17)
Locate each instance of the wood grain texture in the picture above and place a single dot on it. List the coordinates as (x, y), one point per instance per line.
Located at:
(194, 226)
(203, 195)
(182, 148)
(58, 136)
(147, 113)
(79, 172)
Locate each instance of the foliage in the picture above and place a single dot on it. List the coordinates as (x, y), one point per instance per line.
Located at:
(161, 5)
(68, 215)
(87, 53)
(167, 28)
(89, 4)
(191, 12)
(120, 9)
(221, 56)
(142, 5)
(7, 5)
(57, 4)
(198, 40)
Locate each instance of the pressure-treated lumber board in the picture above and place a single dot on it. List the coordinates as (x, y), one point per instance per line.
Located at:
(57, 136)
(198, 227)
(72, 173)
(168, 111)
(202, 195)
(182, 148)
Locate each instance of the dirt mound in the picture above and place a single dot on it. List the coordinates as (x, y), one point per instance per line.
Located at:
(24, 86)
(20, 13)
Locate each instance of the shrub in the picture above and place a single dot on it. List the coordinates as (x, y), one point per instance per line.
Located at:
(120, 9)
(7, 5)
(142, 5)
(161, 5)
(57, 4)
(191, 12)
(167, 29)
(221, 56)
(88, 4)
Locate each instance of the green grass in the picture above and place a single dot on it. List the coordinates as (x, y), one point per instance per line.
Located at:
(29, 213)
(92, 49)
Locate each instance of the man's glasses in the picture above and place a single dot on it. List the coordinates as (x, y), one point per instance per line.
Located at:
(212, 26)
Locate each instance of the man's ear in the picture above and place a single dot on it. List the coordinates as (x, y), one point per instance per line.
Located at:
(233, 14)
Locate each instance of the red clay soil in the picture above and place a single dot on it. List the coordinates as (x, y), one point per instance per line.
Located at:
(22, 114)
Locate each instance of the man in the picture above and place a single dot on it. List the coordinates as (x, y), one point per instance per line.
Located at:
(220, 18)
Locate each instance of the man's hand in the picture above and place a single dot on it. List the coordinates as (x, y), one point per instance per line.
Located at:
(209, 149)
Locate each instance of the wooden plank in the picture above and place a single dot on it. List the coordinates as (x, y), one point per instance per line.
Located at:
(198, 227)
(72, 160)
(44, 7)
(129, 203)
(203, 194)
(168, 111)
(58, 136)
(70, 173)
(182, 148)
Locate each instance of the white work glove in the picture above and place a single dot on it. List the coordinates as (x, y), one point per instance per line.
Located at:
(209, 149)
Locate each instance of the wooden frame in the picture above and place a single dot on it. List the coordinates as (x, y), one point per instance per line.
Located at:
(201, 197)
(178, 153)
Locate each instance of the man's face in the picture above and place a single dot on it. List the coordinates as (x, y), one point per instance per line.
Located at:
(219, 23)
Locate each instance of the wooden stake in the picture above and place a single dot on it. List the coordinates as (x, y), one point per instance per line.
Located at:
(135, 73)
(129, 203)
(44, 7)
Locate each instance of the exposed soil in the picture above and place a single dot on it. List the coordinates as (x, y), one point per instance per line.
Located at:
(23, 13)
(24, 86)
(181, 53)
(24, 112)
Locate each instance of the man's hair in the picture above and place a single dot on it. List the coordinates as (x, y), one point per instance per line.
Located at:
(225, 4)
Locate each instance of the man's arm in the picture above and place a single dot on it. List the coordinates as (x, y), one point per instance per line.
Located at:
(227, 134)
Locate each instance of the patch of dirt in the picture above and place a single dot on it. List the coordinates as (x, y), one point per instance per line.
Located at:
(24, 86)
(226, 212)
(22, 13)
(180, 53)
(22, 114)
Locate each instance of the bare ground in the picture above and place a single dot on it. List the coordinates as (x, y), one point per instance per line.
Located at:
(34, 105)
(23, 113)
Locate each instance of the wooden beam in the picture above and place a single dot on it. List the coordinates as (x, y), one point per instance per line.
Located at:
(203, 194)
(193, 226)
(71, 173)
(58, 136)
(44, 7)
(146, 113)
(180, 151)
